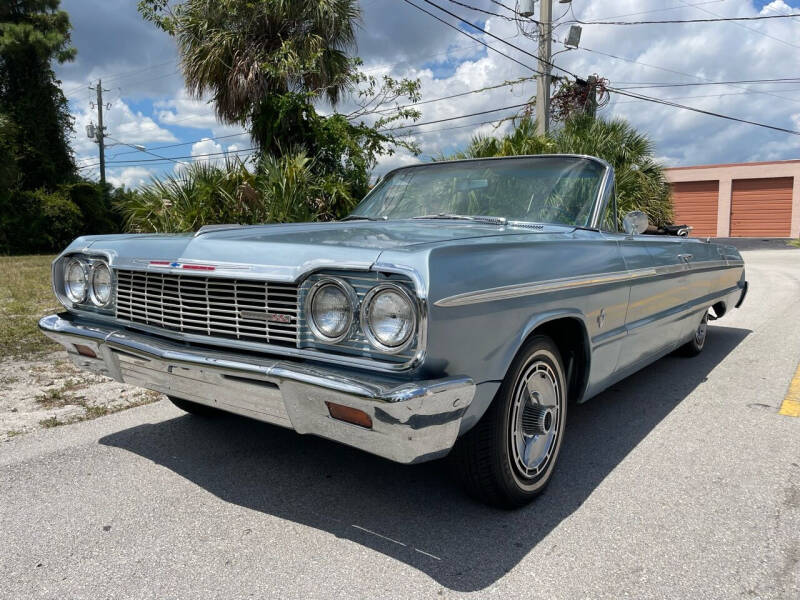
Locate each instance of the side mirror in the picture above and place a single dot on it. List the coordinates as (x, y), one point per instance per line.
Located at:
(635, 222)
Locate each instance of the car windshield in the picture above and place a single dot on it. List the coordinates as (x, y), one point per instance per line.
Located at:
(546, 189)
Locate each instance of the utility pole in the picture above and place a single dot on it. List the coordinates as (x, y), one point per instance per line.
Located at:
(545, 59)
(100, 131)
(591, 95)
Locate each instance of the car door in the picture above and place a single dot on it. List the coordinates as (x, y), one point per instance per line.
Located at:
(655, 320)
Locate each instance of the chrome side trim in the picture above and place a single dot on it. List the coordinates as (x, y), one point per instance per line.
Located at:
(564, 283)
(540, 287)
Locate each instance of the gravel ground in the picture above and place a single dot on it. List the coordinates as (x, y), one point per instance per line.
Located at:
(49, 390)
(682, 481)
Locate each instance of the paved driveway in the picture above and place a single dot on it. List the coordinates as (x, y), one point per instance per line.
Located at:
(682, 481)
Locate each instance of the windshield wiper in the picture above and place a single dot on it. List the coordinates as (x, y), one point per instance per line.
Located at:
(476, 218)
(364, 218)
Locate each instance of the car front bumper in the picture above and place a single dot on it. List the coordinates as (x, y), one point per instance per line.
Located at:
(411, 421)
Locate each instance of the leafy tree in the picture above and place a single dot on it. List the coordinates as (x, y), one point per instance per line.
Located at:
(640, 180)
(33, 33)
(267, 63)
(243, 51)
(8, 158)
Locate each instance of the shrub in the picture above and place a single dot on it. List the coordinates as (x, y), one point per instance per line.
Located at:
(38, 221)
(278, 190)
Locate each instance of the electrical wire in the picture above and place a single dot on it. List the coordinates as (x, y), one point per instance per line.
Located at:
(450, 97)
(654, 10)
(700, 110)
(680, 21)
(484, 11)
(172, 159)
(643, 86)
(743, 26)
(141, 150)
(219, 137)
(665, 69)
(483, 112)
(461, 31)
(254, 148)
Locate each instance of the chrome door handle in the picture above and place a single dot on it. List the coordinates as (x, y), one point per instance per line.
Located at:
(685, 257)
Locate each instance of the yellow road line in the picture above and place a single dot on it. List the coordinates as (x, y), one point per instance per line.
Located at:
(791, 403)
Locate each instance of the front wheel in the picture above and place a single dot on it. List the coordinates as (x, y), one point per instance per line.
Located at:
(507, 459)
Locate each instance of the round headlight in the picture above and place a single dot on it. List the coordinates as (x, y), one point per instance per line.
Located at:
(388, 317)
(75, 281)
(329, 306)
(102, 287)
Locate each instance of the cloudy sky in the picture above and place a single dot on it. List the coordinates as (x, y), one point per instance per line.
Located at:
(149, 105)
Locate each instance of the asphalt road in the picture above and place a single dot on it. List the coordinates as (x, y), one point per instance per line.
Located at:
(682, 481)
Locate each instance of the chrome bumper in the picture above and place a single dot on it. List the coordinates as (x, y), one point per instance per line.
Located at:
(411, 422)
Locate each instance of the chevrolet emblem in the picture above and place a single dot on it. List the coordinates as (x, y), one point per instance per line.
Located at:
(254, 315)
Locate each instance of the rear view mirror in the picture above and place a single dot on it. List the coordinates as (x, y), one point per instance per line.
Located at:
(635, 222)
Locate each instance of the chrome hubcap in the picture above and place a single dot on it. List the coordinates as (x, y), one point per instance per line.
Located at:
(535, 415)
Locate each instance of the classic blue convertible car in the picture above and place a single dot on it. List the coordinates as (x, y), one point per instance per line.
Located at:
(460, 307)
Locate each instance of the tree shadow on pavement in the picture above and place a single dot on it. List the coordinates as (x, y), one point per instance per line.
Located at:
(418, 514)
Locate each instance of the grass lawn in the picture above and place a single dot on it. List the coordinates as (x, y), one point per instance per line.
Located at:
(25, 296)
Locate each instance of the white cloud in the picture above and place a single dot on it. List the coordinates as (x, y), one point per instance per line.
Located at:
(685, 53)
(184, 111)
(204, 147)
(122, 125)
(400, 41)
(130, 177)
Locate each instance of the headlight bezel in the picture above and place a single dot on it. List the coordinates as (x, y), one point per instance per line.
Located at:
(88, 263)
(366, 326)
(352, 299)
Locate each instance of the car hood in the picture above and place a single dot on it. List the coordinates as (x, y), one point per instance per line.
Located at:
(287, 251)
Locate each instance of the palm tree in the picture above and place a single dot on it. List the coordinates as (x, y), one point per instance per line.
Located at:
(640, 180)
(246, 53)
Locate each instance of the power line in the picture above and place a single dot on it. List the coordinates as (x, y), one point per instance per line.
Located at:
(440, 129)
(701, 111)
(722, 95)
(219, 137)
(122, 75)
(483, 11)
(665, 69)
(141, 150)
(654, 10)
(750, 81)
(461, 31)
(483, 112)
(679, 21)
(172, 159)
(411, 105)
(743, 26)
(386, 129)
(450, 97)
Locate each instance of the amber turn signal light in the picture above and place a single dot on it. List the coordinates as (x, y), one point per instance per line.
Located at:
(85, 350)
(349, 415)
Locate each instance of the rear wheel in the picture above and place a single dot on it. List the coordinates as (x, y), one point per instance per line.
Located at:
(507, 459)
(200, 410)
(695, 346)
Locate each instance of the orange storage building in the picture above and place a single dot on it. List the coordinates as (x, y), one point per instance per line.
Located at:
(738, 200)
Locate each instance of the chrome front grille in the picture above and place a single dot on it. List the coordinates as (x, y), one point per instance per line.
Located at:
(239, 309)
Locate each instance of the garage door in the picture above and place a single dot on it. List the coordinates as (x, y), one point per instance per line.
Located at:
(695, 204)
(761, 207)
